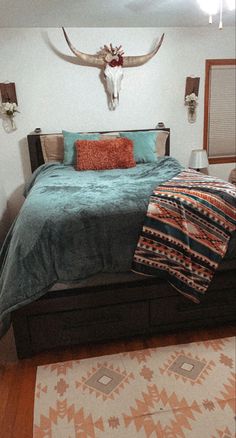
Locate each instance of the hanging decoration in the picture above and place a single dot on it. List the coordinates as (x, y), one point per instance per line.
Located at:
(191, 102)
(8, 111)
(191, 97)
(112, 60)
(8, 106)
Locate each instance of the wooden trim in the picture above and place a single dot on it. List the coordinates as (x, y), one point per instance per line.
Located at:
(206, 100)
(35, 149)
(220, 160)
(221, 61)
(209, 63)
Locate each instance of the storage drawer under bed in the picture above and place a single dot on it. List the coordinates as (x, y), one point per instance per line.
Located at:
(50, 330)
(178, 309)
(103, 314)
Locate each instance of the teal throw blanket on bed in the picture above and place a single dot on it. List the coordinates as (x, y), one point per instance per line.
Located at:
(73, 225)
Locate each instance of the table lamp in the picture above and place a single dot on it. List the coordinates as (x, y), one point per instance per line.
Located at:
(198, 159)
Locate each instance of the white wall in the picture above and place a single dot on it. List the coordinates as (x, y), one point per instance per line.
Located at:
(55, 93)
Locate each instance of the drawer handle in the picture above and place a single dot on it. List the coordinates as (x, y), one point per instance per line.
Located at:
(68, 325)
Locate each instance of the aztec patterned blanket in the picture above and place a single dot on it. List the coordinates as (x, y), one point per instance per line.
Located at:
(185, 235)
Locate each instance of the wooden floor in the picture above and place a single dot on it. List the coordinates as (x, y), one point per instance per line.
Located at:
(17, 378)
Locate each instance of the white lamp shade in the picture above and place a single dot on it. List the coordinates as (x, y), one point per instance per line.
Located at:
(198, 159)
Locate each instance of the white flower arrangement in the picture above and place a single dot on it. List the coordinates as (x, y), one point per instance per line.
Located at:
(9, 108)
(191, 100)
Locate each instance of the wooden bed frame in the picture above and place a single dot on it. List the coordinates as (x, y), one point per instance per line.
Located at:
(143, 306)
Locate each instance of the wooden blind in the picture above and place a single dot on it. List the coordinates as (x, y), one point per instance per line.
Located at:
(222, 114)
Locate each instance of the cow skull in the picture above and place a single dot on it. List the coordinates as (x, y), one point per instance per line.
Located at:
(113, 76)
(112, 60)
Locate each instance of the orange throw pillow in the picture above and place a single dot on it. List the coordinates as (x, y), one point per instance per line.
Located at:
(104, 154)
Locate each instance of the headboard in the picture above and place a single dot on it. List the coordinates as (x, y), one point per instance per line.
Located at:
(35, 148)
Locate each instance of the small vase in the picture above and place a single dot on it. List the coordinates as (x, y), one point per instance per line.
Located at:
(8, 124)
(192, 114)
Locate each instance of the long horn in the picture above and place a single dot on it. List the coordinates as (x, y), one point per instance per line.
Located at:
(135, 61)
(84, 57)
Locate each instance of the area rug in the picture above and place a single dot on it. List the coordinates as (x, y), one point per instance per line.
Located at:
(180, 391)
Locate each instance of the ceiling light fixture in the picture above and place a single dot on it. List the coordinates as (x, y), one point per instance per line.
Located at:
(212, 7)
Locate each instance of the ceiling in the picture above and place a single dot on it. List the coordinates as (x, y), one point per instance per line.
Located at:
(106, 13)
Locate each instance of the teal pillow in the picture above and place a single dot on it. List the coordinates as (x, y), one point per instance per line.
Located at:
(69, 140)
(144, 145)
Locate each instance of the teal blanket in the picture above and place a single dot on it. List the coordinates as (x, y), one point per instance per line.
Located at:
(73, 225)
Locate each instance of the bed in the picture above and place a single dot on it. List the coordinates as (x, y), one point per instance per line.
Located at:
(110, 303)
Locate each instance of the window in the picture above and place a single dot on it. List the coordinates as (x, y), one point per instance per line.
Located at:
(220, 110)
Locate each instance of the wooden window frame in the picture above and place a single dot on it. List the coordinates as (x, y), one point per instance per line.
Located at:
(208, 66)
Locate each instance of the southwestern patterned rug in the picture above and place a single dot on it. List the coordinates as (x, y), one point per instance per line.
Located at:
(182, 391)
